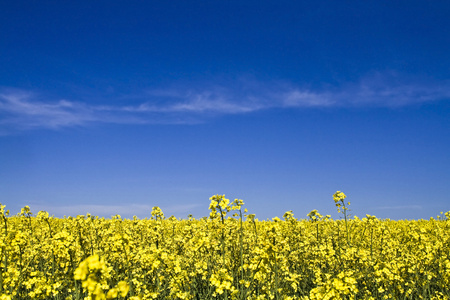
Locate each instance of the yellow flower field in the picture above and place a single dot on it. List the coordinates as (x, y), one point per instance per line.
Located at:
(228, 255)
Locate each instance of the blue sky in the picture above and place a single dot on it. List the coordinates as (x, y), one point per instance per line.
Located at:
(113, 107)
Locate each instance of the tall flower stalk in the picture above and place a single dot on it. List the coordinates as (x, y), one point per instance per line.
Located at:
(342, 207)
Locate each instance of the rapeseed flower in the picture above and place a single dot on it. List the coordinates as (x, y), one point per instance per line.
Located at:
(223, 257)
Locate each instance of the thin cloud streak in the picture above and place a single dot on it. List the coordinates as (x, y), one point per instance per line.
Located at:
(21, 110)
(397, 207)
(129, 210)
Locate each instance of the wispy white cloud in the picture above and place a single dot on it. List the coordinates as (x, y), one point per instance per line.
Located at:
(105, 210)
(399, 207)
(390, 90)
(20, 110)
(306, 98)
(205, 102)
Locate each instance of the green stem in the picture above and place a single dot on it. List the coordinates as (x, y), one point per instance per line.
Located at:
(5, 253)
(241, 247)
(346, 222)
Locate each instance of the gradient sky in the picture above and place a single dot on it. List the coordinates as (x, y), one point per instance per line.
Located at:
(113, 107)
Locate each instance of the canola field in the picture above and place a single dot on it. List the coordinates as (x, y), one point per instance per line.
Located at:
(228, 255)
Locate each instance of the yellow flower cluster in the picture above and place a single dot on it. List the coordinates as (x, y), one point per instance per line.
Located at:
(223, 256)
(339, 198)
(92, 272)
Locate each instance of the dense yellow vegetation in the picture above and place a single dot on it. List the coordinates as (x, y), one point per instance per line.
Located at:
(228, 255)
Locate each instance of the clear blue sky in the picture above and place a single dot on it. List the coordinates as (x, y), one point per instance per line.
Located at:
(112, 107)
